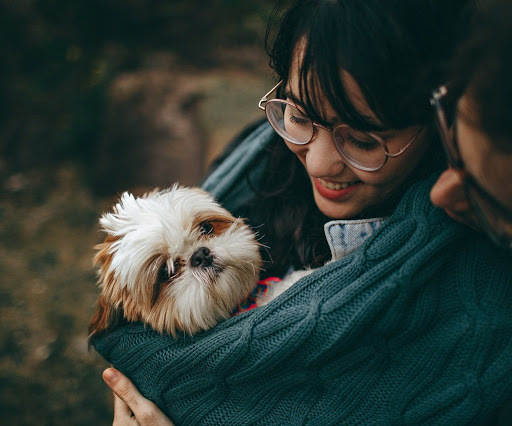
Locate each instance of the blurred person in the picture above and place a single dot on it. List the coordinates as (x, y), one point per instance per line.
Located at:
(474, 114)
(410, 320)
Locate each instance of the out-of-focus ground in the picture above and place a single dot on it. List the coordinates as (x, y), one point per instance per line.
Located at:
(62, 163)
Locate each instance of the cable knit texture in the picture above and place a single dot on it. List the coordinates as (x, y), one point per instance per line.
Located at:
(412, 327)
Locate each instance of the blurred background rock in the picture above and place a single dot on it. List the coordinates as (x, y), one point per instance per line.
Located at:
(98, 97)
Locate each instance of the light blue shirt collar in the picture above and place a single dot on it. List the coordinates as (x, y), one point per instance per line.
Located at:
(345, 236)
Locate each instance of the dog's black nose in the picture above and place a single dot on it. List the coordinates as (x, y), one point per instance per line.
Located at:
(201, 257)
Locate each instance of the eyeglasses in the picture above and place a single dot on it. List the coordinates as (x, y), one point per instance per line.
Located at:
(494, 219)
(363, 150)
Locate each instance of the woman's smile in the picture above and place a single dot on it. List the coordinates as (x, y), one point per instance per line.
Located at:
(335, 190)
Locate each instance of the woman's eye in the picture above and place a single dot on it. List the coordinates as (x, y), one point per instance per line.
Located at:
(363, 145)
(296, 117)
(206, 228)
(298, 120)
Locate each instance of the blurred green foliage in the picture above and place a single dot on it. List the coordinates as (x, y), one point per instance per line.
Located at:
(58, 56)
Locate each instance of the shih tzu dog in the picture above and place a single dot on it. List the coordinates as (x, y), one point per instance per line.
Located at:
(175, 260)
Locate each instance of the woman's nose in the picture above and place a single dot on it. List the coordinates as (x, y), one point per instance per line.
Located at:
(322, 157)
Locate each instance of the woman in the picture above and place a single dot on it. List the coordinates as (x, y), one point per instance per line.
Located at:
(476, 188)
(409, 322)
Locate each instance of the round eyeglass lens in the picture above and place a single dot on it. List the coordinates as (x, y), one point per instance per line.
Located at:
(360, 149)
(289, 122)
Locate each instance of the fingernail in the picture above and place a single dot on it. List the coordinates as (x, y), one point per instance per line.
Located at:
(110, 375)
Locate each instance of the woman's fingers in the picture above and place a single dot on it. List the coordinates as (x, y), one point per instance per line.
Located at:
(121, 409)
(130, 407)
(123, 388)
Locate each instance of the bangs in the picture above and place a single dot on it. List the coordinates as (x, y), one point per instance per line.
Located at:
(320, 84)
(388, 60)
(361, 51)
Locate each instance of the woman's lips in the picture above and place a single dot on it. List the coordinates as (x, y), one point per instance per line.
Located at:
(332, 193)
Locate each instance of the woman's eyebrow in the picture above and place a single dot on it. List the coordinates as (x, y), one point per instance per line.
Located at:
(294, 98)
(368, 118)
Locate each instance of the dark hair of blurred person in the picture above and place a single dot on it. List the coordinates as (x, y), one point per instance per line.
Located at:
(474, 113)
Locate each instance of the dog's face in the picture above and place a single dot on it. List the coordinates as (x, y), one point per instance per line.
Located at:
(175, 260)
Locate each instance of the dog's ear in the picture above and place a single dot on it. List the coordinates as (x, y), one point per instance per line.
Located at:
(106, 317)
(104, 255)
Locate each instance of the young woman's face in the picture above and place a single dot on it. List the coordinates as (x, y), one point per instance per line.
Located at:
(368, 192)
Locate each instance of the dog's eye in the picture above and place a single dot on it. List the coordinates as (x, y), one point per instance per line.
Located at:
(206, 228)
(164, 273)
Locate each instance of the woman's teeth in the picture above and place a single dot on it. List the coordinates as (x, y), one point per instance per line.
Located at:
(336, 186)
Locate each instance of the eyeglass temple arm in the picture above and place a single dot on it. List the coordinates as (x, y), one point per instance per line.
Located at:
(435, 101)
(264, 98)
(406, 146)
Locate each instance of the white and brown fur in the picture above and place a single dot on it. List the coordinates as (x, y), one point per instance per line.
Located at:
(175, 260)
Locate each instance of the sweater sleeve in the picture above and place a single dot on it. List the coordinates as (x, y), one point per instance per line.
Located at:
(414, 326)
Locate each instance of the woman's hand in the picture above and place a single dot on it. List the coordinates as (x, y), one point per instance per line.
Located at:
(130, 407)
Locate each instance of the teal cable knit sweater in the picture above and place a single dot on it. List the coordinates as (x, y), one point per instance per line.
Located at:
(413, 327)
